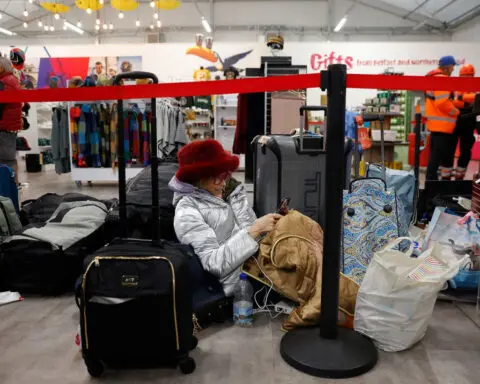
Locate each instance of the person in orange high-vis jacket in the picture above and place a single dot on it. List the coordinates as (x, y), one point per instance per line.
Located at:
(441, 115)
(465, 124)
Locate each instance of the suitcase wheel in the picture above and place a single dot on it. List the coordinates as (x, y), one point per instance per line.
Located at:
(94, 367)
(187, 365)
(194, 343)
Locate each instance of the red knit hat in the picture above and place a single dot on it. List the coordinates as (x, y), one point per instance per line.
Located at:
(204, 158)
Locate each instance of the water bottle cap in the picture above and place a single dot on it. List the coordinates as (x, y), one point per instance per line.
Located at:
(243, 276)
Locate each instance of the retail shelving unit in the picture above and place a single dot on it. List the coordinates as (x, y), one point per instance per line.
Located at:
(225, 122)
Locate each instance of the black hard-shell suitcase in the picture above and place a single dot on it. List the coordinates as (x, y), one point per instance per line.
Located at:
(135, 298)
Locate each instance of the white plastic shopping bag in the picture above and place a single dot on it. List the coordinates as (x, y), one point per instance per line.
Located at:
(398, 294)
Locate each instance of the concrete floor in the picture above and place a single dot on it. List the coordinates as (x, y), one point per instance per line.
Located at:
(37, 341)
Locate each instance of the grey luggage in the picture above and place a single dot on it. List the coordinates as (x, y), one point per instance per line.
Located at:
(282, 169)
(9, 221)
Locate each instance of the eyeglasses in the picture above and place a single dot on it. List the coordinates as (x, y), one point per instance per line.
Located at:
(221, 178)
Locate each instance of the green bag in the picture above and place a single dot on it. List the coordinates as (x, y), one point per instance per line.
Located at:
(9, 221)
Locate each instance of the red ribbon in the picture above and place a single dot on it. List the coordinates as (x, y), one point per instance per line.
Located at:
(251, 85)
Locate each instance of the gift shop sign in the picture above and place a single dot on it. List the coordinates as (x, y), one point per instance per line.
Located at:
(319, 61)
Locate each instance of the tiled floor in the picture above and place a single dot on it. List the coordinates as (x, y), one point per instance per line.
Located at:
(37, 341)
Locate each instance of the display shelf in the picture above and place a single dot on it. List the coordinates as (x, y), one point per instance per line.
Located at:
(227, 126)
(101, 174)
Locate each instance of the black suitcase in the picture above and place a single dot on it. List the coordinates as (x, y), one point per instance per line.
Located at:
(147, 319)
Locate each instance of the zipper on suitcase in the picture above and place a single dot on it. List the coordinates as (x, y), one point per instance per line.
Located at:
(96, 262)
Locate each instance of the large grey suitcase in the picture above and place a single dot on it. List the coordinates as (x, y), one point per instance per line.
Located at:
(282, 169)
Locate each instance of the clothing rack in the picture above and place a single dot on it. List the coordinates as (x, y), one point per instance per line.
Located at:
(167, 131)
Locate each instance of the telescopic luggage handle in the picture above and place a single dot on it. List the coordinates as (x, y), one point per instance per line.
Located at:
(305, 125)
(135, 75)
(122, 183)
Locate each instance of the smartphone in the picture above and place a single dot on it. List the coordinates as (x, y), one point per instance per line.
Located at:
(283, 207)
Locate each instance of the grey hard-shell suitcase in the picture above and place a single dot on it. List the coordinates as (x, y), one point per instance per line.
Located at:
(294, 167)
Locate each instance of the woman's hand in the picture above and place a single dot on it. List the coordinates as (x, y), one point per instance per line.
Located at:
(264, 224)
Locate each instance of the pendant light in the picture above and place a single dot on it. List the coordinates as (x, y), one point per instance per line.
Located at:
(40, 24)
(25, 24)
(25, 12)
(79, 24)
(121, 15)
(52, 28)
(137, 23)
(159, 24)
(89, 11)
(105, 26)
(152, 4)
(110, 26)
(57, 16)
(155, 15)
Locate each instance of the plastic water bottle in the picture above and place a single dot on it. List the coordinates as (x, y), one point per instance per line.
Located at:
(243, 303)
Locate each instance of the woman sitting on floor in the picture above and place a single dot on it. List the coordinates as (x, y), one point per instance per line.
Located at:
(212, 213)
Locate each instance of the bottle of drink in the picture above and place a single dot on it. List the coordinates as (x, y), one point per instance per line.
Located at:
(243, 303)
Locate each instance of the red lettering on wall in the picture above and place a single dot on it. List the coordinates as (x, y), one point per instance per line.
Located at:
(322, 61)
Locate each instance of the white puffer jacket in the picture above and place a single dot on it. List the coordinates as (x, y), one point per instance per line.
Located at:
(216, 229)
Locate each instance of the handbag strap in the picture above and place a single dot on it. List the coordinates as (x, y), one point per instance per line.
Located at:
(363, 179)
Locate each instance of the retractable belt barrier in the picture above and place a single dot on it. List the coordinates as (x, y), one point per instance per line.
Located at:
(250, 85)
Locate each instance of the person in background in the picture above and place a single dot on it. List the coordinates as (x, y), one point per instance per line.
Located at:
(100, 76)
(10, 118)
(465, 124)
(441, 115)
(212, 213)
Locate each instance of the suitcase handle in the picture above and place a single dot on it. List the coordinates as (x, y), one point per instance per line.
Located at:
(118, 240)
(134, 76)
(122, 182)
(305, 125)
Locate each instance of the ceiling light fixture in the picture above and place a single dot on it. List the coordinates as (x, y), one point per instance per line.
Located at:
(151, 26)
(40, 24)
(89, 11)
(155, 15)
(152, 4)
(25, 24)
(121, 15)
(6, 32)
(79, 24)
(64, 27)
(52, 28)
(45, 27)
(25, 12)
(137, 23)
(159, 24)
(100, 2)
(97, 21)
(105, 26)
(30, 1)
(110, 26)
(340, 24)
(97, 27)
(206, 25)
(57, 16)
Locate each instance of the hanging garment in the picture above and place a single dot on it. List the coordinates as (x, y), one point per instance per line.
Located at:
(240, 141)
(135, 134)
(60, 141)
(74, 120)
(82, 139)
(95, 160)
(113, 135)
(145, 138)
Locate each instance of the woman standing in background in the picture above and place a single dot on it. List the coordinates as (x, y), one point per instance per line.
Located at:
(10, 118)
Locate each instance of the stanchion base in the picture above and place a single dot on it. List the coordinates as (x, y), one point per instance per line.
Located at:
(350, 354)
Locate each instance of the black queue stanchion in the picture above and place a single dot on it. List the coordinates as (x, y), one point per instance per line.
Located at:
(331, 352)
